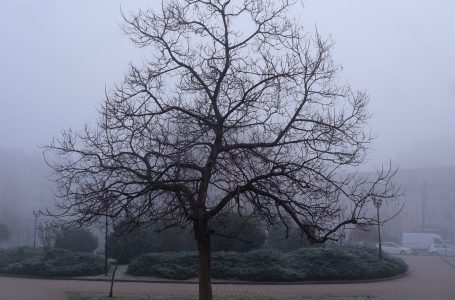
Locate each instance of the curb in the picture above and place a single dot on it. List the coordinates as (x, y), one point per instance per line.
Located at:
(447, 261)
(225, 282)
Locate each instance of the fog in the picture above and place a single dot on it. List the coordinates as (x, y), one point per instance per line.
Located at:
(58, 57)
(401, 53)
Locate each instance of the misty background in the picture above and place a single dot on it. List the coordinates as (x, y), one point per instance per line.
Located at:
(57, 58)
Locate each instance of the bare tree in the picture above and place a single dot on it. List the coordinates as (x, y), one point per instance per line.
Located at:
(237, 107)
(48, 233)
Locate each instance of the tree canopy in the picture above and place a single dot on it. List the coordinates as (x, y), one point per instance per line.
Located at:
(5, 234)
(236, 107)
(76, 239)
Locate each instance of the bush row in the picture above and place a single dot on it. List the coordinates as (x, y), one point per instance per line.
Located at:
(344, 263)
(53, 262)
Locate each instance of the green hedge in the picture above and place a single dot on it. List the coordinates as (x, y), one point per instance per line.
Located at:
(53, 262)
(172, 265)
(344, 263)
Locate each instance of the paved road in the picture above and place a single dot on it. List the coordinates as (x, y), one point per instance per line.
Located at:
(429, 278)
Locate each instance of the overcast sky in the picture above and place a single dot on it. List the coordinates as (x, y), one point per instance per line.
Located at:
(56, 57)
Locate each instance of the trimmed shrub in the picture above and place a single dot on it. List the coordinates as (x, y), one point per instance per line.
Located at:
(31, 267)
(75, 264)
(9, 256)
(53, 262)
(344, 263)
(180, 265)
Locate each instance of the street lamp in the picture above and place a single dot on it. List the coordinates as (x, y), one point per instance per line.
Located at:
(377, 203)
(35, 214)
(108, 200)
(105, 244)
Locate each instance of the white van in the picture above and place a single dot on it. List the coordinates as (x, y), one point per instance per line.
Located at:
(421, 241)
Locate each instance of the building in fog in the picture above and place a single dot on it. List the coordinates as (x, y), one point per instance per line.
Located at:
(429, 204)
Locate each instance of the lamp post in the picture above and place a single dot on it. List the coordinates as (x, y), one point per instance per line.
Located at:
(105, 244)
(108, 200)
(377, 203)
(35, 214)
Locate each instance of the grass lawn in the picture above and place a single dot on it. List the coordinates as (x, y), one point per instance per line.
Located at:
(97, 296)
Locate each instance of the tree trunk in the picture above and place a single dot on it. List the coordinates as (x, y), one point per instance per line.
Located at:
(111, 291)
(204, 259)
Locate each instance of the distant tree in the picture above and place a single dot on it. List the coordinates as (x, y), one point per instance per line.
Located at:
(286, 239)
(48, 232)
(126, 243)
(5, 234)
(76, 239)
(176, 239)
(234, 232)
(237, 107)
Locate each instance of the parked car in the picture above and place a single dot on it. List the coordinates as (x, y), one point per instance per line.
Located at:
(393, 248)
(441, 249)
